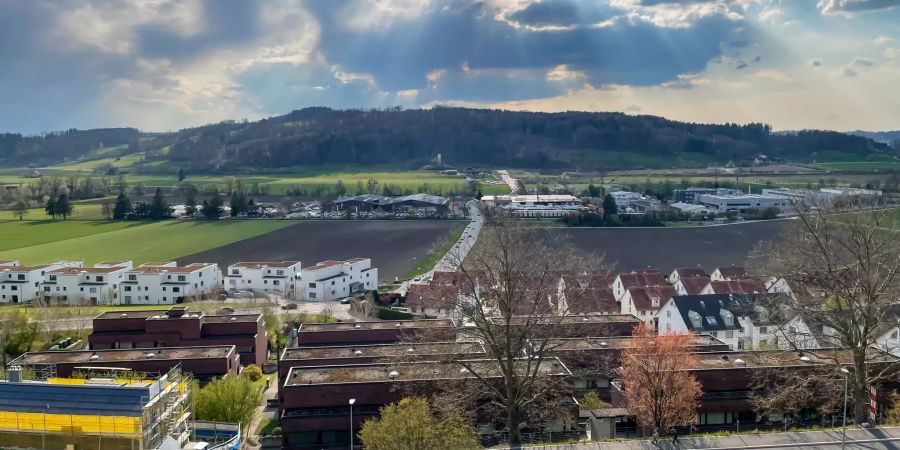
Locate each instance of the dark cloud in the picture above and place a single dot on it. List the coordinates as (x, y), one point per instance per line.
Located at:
(564, 13)
(740, 65)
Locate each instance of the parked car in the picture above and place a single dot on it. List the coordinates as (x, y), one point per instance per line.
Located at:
(418, 278)
(346, 301)
(289, 307)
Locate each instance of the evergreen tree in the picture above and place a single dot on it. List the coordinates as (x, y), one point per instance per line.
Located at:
(63, 206)
(212, 209)
(122, 207)
(159, 209)
(50, 208)
(609, 206)
(190, 204)
(181, 175)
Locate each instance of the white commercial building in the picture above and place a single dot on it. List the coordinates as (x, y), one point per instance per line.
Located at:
(625, 198)
(722, 203)
(22, 284)
(277, 277)
(332, 280)
(167, 284)
(98, 285)
(535, 205)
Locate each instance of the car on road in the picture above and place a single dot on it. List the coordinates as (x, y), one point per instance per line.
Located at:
(418, 278)
(289, 307)
(346, 301)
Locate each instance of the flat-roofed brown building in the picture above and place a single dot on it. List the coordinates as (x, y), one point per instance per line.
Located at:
(573, 326)
(730, 379)
(204, 363)
(340, 333)
(179, 327)
(314, 401)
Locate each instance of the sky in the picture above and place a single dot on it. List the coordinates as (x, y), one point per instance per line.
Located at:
(164, 65)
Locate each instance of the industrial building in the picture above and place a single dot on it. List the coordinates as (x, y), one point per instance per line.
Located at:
(433, 204)
(178, 327)
(535, 205)
(741, 203)
(106, 409)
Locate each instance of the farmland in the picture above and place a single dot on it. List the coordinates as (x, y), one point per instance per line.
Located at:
(666, 248)
(394, 246)
(92, 242)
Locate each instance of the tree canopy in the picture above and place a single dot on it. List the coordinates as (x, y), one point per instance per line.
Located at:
(410, 425)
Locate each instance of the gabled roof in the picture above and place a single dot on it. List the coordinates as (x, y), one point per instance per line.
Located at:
(643, 297)
(762, 309)
(432, 296)
(261, 264)
(738, 286)
(642, 279)
(591, 301)
(684, 272)
(454, 278)
(732, 272)
(694, 285)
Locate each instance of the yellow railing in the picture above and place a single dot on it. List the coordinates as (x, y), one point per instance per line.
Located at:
(70, 424)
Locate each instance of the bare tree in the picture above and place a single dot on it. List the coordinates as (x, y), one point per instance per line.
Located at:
(508, 303)
(844, 271)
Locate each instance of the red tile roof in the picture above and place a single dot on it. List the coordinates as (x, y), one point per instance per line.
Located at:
(684, 272)
(643, 297)
(640, 279)
(591, 301)
(740, 286)
(432, 296)
(732, 272)
(694, 285)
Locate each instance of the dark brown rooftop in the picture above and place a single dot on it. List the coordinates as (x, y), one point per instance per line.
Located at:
(589, 343)
(119, 356)
(383, 325)
(383, 350)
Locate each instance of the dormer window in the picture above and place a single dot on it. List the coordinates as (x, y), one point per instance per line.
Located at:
(696, 320)
(712, 321)
(728, 317)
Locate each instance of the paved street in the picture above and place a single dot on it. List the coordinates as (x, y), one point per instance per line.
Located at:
(510, 181)
(886, 438)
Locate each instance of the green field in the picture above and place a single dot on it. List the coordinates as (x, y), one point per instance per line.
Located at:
(859, 165)
(408, 180)
(92, 242)
(80, 211)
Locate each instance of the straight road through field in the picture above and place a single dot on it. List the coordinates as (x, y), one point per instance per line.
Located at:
(510, 181)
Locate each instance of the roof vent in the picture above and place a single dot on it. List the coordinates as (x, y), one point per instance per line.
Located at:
(740, 362)
(725, 357)
(233, 319)
(95, 357)
(150, 355)
(123, 315)
(604, 344)
(356, 326)
(463, 370)
(410, 350)
(394, 374)
(585, 319)
(397, 325)
(805, 359)
(358, 352)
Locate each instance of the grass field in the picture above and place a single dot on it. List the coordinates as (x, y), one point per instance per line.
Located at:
(859, 165)
(80, 211)
(408, 180)
(33, 243)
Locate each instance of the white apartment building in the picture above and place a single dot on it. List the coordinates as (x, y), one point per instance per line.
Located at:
(8, 263)
(98, 285)
(332, 280)
(277, 277)
(167, 284)
(741, 203)
(22, 284)
(625, 198)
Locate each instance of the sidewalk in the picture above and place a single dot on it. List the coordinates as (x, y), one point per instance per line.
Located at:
(886, 438)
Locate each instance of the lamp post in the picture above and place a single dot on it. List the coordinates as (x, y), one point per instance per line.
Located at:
(844, 372)
(352, 401)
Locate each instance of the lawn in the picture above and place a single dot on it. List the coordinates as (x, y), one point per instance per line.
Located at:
(408, 180)
(17, 234)
(428, 262)
(80, 211)
(155, 241)
(859, 165)
(89, 165)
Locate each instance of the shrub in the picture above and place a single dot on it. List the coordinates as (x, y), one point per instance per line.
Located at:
(253, 372)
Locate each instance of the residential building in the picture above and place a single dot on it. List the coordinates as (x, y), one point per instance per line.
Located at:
(98, 285)
(778, 285)
(888, 334)
(737, 286)
(381, 332)
(179, 327)
(743, 202)
(168, 284)
(625, 198)
(314, 400)
(686, 272)
(115, 407)
(8, 263)
(730, 381)
(333, 280)
(743, 321)
(636, 278)
(203, 363)
(274, 277)
(728, 273)
(588, 301)
(644, 302)
(22, 284)
(691, 285)
(434, 300)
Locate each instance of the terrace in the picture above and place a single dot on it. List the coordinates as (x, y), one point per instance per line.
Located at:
(781, 358)
(619, 342)
(120, 356)
(383, 325)
(382, 350)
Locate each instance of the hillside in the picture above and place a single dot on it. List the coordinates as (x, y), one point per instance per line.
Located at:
(887, 137)
(413, 138)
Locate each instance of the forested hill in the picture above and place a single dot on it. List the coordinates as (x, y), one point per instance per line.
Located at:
(478, 137)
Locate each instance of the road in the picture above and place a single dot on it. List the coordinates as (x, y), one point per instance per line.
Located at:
(510, 181)
(458, 252)
(882, 438)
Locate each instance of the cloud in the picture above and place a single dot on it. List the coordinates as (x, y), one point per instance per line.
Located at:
(560, 14)
(740, 65)
(854, 6)
(881, 40)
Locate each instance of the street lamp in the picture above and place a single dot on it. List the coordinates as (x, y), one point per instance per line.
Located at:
(352, 401)
(844, 372)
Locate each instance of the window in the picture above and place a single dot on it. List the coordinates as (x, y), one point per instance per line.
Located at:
(183, 278)
(712, 321)
(279, 272)
(312, 285)
(275, 282)
(127, 288)
(729, 334)
(235, 271)
(728, 317)
(132, 277)
(763, 330)
(93, 290)
(20, 276)
(99, 278)
(46, 288)
(176, 289)
(312, 295)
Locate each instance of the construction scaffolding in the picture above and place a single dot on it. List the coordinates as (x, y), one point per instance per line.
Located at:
(95, 413)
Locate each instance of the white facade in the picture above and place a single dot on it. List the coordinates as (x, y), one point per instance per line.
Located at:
(535, 205)
(9, 263)
(722, 203)
(22, 284)
(98, 285)
(332, 280)
(277, 277)
(889, 340)
(624, 198)
(167, 284)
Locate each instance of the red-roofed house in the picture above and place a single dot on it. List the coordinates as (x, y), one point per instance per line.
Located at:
(434, 300)
(645, 302)
(22, 284)
(728, 273)
(636, 278)
(738, 286)
(591, 301)
(686, 272)
(691, 285)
